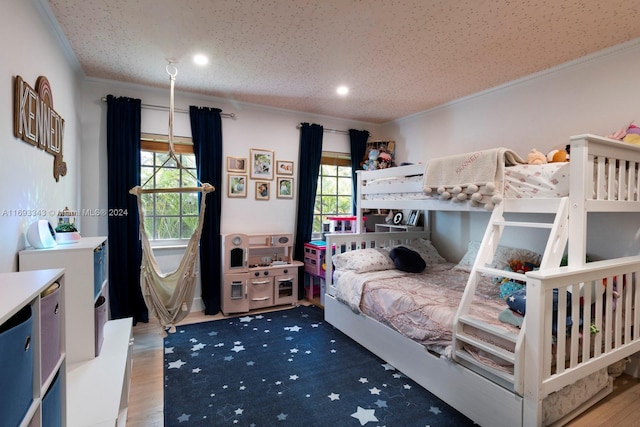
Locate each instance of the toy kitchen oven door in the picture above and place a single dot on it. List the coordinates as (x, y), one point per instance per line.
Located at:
(258, 272)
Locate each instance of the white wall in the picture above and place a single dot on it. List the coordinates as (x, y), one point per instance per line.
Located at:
(29, 50)
(252, 127)
(597, 94)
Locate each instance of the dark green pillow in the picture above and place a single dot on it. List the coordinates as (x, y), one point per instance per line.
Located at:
(408, 260)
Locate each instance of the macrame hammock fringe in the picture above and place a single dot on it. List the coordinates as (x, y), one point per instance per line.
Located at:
(169, 296)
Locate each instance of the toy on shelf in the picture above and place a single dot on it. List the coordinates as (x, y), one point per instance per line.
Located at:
(372, 162)
(344, 224)
(379, 155)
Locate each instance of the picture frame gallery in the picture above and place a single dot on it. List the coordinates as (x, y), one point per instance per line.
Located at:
(261, 168)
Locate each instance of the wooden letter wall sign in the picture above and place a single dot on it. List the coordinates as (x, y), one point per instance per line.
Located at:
(36, 122)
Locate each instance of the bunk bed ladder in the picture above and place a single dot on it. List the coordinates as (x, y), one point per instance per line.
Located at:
(502, 346)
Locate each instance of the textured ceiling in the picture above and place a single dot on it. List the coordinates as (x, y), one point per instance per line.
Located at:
(398, 57)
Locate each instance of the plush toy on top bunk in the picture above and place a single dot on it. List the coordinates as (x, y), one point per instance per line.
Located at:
(630, 134)
(535, 157)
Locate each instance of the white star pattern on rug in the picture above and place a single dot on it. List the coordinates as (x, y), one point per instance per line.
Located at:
(198, 346)
(381, 403)
(364, 415)
(334, 396)
(177, 364)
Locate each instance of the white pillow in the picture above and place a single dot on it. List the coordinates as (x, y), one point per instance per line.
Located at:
(364, 260)
(501, 259)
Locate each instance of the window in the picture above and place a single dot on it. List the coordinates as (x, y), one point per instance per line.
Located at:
(334, 191)
(168, 216)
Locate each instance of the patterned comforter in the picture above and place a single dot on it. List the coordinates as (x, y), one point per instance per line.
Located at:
(420, 306)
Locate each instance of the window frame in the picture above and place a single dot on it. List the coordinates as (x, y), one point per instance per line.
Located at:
(331, 158)
(159, 144)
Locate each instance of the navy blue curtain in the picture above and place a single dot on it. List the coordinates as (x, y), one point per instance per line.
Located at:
(125, 250)
(358, 143)
(310, 157)
(206, 133)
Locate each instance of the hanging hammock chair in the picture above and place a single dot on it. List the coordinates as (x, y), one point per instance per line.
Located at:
(169, 296)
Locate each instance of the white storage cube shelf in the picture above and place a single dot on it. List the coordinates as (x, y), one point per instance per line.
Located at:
(98, 356)
(86, 276)
(48, 402)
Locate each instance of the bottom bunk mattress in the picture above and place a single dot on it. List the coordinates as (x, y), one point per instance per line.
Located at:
(420, 306)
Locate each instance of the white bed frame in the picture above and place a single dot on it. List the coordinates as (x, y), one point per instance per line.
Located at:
(489, 397)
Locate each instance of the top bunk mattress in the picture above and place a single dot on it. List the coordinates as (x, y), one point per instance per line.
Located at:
(520, 181)
(535, 181)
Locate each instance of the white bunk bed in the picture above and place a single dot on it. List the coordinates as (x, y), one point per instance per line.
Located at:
(604, 177)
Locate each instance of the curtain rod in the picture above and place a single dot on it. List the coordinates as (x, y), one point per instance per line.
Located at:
(177, 110)
(344, 132)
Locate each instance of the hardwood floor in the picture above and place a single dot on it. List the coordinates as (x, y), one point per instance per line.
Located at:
(621, 408)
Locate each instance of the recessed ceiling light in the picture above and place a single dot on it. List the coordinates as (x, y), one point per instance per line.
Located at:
(200, 59)
(342, 90)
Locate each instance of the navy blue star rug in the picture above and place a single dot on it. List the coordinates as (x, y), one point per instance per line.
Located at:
(288, 368)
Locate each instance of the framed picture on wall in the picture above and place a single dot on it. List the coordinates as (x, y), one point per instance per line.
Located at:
(285, 188)
(262, 190)
(261, 164)
(236, 164)
(284, 167)
(236, 185)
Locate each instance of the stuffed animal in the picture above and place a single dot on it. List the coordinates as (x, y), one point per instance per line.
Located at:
(557, 156)
(633, 135)
(372, 162)
(535, 157)
(630, 134)
(384, 160)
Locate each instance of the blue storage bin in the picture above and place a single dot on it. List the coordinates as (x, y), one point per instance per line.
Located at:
(52, 405)
(16, 366)
(98, 270)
